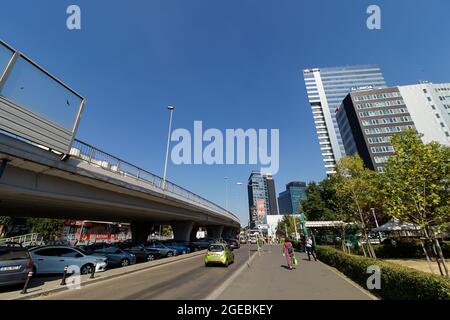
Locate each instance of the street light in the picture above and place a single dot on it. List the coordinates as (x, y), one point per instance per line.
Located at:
(226, 193)
(376, 222)
(170, 108)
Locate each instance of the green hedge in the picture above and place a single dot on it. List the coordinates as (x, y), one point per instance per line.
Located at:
(397, 282)
(403, 251)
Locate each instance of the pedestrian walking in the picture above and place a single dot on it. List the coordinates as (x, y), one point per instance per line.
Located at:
(310, 250)
(288, 252)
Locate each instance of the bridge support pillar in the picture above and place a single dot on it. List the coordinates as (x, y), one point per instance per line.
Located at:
(194, 233)
(227, 232)
(214, 231)
(182, 230)
(140, 231)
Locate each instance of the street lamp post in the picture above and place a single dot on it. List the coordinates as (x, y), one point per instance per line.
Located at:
(170, 108)
(376, 222)
(226, 193)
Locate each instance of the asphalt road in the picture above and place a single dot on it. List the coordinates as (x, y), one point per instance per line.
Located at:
(187, 279)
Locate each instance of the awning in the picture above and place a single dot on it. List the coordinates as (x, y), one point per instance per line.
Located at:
(395, 225)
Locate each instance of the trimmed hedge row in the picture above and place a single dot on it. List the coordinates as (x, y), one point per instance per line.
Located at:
(397, 282)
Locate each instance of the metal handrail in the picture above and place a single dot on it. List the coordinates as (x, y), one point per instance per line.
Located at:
(99, 158)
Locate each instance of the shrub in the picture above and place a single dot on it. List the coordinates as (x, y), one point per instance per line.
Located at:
(397, 282)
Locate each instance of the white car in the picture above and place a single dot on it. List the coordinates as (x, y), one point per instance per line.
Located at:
(53, 259)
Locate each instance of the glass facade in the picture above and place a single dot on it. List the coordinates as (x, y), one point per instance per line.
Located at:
(326, 89)
(261, 197)
(289, 200)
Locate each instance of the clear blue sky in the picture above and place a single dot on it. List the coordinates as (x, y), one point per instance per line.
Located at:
(231, 64)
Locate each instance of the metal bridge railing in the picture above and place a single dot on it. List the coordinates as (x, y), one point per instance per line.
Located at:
(113, 164)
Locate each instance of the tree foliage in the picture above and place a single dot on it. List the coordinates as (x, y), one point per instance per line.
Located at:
(319, 204)
(415, 185)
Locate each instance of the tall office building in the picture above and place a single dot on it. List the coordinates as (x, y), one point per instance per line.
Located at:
(326, 89)
(368, 118)
(429, 106)
(262, 199)
(289, 200)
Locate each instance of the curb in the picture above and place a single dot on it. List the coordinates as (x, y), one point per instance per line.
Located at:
(88, 282)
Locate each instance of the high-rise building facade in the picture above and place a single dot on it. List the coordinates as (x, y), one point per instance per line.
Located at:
(262, 199)
(368, 118)
(429, 106)
(289, 200)
(326, 89)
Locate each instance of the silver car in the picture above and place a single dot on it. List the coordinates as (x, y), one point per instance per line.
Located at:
(15, 263)
(53, 259)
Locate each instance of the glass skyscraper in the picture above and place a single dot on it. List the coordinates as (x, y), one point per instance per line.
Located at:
(289, 200)
(326, 89)
(262, 199)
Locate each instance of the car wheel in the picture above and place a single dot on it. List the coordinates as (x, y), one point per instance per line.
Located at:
(183, 252)
(170, 254)
(86, 269)
(34, 271)
(150, 257)
(195, 249)
(227, 264)
(125, 262)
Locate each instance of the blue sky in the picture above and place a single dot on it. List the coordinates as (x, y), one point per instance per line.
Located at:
(231, 64)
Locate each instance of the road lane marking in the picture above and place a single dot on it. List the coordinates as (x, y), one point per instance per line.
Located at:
(216, 293)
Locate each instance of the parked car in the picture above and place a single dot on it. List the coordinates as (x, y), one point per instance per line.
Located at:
(243, 240)
(253, 240)
(164, 250)
(203, 243)
(53, 259)
(233, 243)
(219, 253)
(15, 264)
(116, 256)
(180, 246)
(142, 253)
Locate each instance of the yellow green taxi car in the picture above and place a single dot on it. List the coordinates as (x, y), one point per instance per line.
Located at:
(219, 253)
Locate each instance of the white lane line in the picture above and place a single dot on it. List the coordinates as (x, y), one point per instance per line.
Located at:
(354, 284)
(216, 293)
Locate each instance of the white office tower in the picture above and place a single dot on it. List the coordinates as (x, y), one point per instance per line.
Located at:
(326, 89)
(429, 107)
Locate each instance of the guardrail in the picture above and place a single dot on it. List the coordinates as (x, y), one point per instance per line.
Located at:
(25, 240)
(101, 159)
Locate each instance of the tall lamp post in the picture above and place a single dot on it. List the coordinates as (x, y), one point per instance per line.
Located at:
(226, 193)
(170, 108)
(376, 222)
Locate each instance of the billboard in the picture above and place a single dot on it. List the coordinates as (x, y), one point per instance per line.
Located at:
(260, 206)
(36, 105)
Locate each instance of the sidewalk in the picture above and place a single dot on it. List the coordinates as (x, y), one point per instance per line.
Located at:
(267, 278)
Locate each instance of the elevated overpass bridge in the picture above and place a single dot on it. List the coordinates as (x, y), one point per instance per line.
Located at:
(45, 172)
(92, 184)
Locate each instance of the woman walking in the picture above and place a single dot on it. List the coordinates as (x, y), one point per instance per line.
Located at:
(288, 252)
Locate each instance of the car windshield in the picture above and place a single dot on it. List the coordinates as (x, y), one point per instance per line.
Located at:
(215, 248)
(13, 254)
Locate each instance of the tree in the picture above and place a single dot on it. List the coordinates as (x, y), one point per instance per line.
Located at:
(286, 224)
(50, 229)
(356, 192)
(319, 202)
(415, 185)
